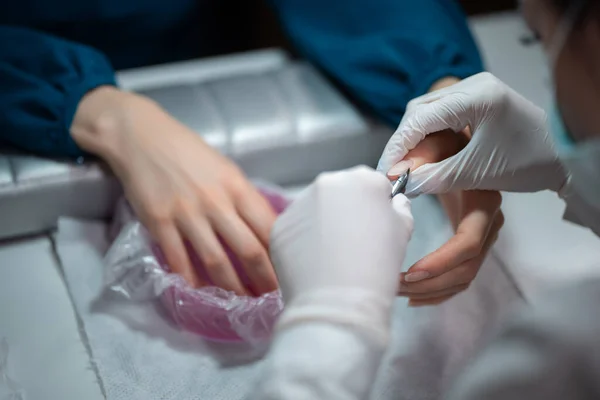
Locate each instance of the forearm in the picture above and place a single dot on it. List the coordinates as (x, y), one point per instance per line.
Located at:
(443, 82)
(106, 118)
(399, 47)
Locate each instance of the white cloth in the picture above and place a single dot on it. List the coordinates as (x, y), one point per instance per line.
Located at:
(139, 356)
(137, 353)
(549, 351)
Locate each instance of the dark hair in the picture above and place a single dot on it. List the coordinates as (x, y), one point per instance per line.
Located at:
(584, 7)
(586, 10)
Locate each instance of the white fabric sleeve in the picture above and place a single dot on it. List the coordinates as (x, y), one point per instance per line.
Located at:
(548, 351)
(318, 360)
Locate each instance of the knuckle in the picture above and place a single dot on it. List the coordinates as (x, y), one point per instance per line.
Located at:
(156, 216)
(361, 170)
(412, 104)
(368, 177)
(215, 262)
(469, 273)
(490, 80)
(238, 185)
(500, 199)
(185, 205)
(254, 255)
(325, 179)
(473, 248)
(496, 88)
(464, 287)
(500, 220)
(494, 199)
(215, 203)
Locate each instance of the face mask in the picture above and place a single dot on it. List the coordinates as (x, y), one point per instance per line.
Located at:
(582, 191)
(563, 140)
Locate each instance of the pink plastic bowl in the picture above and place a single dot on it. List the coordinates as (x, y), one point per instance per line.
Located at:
(217, 314)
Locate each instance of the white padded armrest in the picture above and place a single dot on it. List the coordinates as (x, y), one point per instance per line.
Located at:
(38, 191)
(279, 120)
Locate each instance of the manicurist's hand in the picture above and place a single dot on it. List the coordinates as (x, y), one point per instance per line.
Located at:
(338, 251)
(510, 148)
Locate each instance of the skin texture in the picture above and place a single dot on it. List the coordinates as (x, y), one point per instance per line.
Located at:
(180, 188)
(475, 216)
(184, 190)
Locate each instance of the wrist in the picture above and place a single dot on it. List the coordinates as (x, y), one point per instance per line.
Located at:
(103, 116)
(360, 310)
(443, 82)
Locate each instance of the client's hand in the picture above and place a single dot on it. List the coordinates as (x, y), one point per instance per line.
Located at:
(180, 188)
(338, 250)
(476, 217)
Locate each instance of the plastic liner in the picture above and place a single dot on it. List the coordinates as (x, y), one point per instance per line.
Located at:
(137, 270)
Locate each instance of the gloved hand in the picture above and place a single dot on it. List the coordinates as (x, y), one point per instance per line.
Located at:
(476, 218)
(338, 251)
(510, 149)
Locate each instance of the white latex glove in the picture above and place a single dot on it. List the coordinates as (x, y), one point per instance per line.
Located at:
(338, 251)
(510, 149)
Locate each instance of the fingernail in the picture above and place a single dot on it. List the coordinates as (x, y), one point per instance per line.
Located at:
(400, 168)
(416, 276)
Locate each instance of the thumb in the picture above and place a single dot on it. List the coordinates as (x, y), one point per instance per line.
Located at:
(442, 114)
(430, 172)
(434, 178)
(448, 112)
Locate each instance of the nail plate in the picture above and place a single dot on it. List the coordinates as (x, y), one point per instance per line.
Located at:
(400, 168)
(416, 276)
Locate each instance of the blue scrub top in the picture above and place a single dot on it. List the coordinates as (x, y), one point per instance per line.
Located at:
(384, 52)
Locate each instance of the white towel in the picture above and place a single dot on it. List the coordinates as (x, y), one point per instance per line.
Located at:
(138, 355)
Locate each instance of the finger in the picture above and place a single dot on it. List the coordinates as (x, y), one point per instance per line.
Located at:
(461, 275)
(436, 294)
(430, 302)
(479, 210)
(216, 263)
(172, 246)
(436, 116)
(424, 119)
(433, 163)
(493, 235)
(256, 211)
(436, 147)
(452, 205)
(248, 249)
(440, 177)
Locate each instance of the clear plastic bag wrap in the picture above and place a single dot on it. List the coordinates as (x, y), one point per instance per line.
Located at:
(136, 269)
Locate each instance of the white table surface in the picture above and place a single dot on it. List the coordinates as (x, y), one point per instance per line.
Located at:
(46, 354)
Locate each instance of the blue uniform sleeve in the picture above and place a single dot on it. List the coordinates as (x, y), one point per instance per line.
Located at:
(384, 52)
(43, 78)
